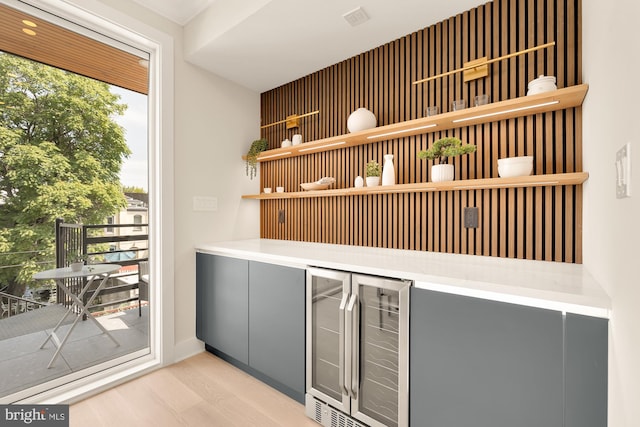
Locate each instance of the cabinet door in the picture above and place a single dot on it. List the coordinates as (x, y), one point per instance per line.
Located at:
(222, 312)
(480, 363)
(586, 371)
(276, 326)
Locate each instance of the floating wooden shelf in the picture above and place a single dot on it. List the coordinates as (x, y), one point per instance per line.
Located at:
(551, 180)
(518, 107)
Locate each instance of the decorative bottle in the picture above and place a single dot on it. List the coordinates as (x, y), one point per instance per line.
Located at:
(388, 171)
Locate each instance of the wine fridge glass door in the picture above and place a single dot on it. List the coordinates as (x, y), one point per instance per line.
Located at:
(380, 351)
(327, 295)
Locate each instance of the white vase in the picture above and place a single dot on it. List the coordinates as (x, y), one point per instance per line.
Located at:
(361, 119)
(388, 171)
(441, 173)
(373, 181)
(359, 182)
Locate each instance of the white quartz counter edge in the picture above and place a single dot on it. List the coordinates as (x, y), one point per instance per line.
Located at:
(551, 285)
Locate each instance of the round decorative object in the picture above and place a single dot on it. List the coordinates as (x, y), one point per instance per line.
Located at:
(361, 119)
(441, 173)
(373, 181)
(542, 84)
(76, 266)
(321, 184)
(388, 171)
(515, 166)
(359, 182)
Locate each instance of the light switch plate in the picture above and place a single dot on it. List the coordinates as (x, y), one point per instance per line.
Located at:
(202, 203)
(623, 171)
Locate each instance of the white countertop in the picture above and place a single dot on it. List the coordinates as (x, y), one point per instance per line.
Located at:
(552, 285)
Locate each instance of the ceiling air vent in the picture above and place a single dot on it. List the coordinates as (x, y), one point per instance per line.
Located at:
(356, 17)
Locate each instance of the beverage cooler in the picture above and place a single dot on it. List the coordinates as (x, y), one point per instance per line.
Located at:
(357, 351)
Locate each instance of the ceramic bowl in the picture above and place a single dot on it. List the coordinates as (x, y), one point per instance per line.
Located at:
(542, 84)
(321, 184)
(310, 186)
(515, 166)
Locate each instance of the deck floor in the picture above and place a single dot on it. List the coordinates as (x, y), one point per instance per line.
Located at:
(23, 364)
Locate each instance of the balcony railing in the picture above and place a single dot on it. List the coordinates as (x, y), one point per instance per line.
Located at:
(123, 244)
(10, 305)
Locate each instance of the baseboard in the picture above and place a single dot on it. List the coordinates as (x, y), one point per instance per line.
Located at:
(187, 348)
(295, 395)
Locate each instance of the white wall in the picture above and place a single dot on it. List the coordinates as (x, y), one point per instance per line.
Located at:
(611, 63)
(215, 124)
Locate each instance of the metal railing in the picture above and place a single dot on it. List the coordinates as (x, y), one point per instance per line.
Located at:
(79, 239)
(10, 305)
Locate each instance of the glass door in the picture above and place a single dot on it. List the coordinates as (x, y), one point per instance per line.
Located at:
(380, 352)
(327, 297)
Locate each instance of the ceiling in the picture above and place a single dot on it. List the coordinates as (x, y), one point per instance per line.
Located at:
(263, 44)
(43, 41)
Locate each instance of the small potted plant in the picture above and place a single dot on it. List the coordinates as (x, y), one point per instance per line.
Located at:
(257, 147)
(440, 152)
(372, 174)
(77, 263)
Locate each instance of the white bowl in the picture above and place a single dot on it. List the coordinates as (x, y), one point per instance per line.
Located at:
(310, 186)
(515, 166)
(541, 84)
(321, 184)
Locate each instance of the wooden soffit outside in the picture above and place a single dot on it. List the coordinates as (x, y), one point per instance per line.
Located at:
(59, 47)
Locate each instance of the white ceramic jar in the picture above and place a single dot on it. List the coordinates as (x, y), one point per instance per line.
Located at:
(361, 119)
(542, 84)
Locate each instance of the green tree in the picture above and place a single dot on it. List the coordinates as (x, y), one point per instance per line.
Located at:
(60, 156)
(133, 189)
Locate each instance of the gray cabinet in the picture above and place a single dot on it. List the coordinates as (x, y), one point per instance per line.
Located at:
(276, 324)
(586, 348)
(481, 363)
(252, 315)
(222, 304)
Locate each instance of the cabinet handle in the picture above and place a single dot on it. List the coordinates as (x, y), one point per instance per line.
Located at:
(354, 356)
(341, 364)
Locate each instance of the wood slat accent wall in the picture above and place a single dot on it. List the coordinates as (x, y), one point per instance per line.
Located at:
(530, 223)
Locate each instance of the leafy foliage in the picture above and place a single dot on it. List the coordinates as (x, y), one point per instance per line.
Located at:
(444, 148)
(60, 157)
(372, 169)
(133, 189)
(257, 147)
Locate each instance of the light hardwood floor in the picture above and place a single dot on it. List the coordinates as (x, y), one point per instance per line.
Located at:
(200, 391)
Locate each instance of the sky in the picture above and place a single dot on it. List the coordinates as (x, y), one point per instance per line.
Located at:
(135, 171)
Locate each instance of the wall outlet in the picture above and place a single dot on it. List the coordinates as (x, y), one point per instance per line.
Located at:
(623, 172)
(471, 217)
(202, 203)
(281, 216)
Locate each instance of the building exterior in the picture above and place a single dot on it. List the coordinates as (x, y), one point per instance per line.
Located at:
(136, 213)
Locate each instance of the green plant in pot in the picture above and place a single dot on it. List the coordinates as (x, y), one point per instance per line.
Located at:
(440, 152)
(257, 147)
(372, 173)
